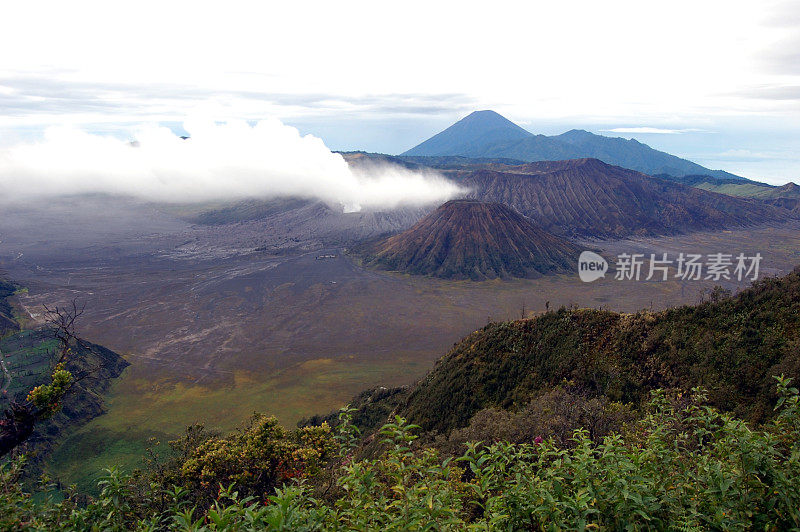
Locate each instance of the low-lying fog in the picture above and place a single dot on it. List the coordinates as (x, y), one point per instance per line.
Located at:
(219, 161)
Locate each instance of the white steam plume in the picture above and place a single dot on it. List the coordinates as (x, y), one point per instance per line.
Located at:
(219, 161)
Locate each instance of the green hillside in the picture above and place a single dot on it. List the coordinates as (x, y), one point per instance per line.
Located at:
(732, 346)
(738, 187)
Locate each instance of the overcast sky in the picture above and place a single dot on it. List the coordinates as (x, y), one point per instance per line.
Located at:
(717, 82)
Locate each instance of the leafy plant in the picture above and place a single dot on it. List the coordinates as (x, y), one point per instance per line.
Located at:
(684, 466)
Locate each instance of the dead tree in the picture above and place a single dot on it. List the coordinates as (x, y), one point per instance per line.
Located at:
(62, 320)
(19, 419)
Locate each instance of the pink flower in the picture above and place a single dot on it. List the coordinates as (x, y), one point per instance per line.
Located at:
(537, 440)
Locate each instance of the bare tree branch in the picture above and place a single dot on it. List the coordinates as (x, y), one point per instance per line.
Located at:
(62, 319)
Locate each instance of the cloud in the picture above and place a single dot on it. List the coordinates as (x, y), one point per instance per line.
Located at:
(785, 59)
(782, 54)
(32, 95)
(781, 13)
(219, 161)
(650, 130)
(772, 92)
(751, 155)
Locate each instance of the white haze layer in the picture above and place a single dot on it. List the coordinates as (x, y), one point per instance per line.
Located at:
(225, 161)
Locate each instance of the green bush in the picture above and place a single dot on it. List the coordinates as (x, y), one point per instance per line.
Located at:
(684, 466)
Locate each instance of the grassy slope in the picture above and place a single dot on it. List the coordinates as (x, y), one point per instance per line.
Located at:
(732, 346)
(140, 409)
(744, 190)
(736, 187)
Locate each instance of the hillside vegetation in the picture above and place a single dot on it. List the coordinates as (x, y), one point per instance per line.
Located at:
(684, 466)
(731, 345)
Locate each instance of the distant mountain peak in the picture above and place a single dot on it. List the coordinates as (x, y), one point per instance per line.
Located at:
(489, 116)
(576, 135)
(485, 113)
(488, 120)
(488, 135)
(479, 128)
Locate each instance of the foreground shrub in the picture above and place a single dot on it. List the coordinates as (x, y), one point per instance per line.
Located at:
(684, 466)
(555, 414)
(258, 459)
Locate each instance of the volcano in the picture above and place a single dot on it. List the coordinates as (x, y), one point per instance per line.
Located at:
(468, 239)
(486, 134)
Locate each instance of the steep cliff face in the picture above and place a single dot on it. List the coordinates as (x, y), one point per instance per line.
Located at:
(28, 356)
(7, 322)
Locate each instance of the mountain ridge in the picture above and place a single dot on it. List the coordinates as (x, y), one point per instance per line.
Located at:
(484, 135)
(590, 198)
